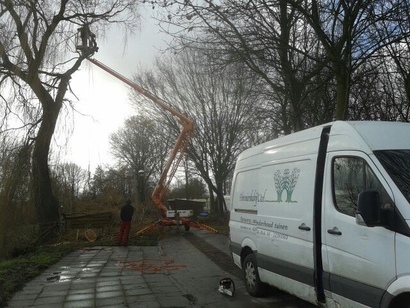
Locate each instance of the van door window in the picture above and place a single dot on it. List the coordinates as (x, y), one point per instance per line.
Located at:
(351, 175)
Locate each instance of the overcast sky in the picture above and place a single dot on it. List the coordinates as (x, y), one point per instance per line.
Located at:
(103, 100)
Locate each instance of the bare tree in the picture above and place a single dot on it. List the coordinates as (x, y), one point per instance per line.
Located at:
(400, 71)
(351, 33)
(302, 49)
(271, 39)
(106, 188)
(195, 188)
(70, 180)
(14, 193)
(37, 61)
(221, 103)
(142, 144)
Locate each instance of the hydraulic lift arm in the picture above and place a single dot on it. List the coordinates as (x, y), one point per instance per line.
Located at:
(87, 46)
(180, 146)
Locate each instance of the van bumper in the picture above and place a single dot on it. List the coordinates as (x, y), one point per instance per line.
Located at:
(235, 250)
(386, 300)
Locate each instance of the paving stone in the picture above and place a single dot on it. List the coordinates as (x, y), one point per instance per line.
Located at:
(109, 294)
(79, 297)
(179, 276)
(173, 301)
(138, 291)
(116, 301)
(20, 302)
(49, 300)
(79, 304)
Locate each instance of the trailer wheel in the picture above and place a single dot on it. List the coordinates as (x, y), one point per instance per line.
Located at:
(254, 285)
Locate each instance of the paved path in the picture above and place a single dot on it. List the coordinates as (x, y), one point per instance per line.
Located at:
(172, 274)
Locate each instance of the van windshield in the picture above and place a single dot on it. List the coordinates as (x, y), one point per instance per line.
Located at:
(397, 165)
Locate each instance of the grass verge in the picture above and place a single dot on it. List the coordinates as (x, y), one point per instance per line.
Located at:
(16, 272)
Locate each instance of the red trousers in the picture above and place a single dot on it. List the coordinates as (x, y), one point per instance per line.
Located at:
(124, 233)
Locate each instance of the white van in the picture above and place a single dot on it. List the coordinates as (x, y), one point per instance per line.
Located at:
(324, 214)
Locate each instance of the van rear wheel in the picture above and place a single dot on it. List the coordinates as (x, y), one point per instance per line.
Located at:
(402, 301)
(254, 285)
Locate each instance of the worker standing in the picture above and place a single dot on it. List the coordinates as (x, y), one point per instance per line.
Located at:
(127, 211)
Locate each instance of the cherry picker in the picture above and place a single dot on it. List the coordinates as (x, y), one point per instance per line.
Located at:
(86, 45)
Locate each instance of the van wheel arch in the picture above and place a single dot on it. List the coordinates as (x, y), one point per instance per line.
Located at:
(401, 301)
(244, 253)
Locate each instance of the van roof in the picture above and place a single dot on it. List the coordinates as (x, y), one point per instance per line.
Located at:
(377, 135)
(365, 136)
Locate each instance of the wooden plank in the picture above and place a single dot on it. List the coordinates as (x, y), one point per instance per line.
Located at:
(97, 220)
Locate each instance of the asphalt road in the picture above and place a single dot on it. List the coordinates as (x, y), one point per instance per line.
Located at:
(275, 298)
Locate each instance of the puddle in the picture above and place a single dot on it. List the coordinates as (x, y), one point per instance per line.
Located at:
(57, 277)
(53, 278)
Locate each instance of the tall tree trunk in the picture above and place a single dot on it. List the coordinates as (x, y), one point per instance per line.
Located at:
(212, 203)
(406, 79)
(293, 89)
(45, 202)
(342, 91)
(221, 201)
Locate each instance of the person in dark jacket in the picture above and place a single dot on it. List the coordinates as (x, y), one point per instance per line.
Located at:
(127, 210)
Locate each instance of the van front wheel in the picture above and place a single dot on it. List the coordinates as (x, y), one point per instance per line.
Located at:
(254, 285)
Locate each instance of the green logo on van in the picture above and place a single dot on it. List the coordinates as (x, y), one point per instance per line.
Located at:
(286, 181)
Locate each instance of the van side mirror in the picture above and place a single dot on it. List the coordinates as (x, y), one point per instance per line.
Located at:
(368, 209)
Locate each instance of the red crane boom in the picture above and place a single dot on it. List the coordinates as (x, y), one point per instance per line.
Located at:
(180, 146)
(86, 45)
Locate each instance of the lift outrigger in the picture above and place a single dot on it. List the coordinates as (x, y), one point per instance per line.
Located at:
(86, 45)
